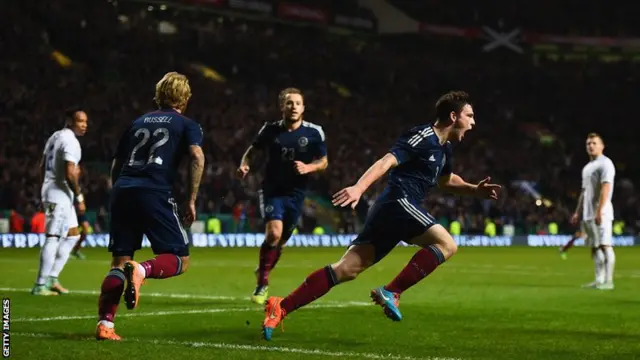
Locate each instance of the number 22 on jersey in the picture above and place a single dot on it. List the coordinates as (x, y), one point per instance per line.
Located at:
(159, 137)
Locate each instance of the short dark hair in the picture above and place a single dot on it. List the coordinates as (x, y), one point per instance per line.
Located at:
(451, 101)
(71, 111)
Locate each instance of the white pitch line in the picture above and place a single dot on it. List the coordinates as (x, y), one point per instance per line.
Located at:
(179, 312)
(153, 294)
(133, 314)
(260, 348)
(182, 296)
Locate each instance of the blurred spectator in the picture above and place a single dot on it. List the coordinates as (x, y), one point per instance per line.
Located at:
(392, 83)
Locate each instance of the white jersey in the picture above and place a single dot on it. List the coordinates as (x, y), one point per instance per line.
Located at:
(61, 147)
(594, 174)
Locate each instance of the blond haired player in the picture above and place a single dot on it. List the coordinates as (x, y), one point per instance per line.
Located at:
(143, 172)
(596, 211)
(60, 190)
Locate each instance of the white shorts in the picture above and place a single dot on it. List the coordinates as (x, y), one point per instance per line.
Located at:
(598, 235)
(59, 218)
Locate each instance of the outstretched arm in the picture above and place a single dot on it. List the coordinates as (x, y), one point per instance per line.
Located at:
(454, 184)
(376, 171)
(351, 195)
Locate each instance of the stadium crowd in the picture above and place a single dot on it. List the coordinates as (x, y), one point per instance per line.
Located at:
(543, 16)
(532, 117)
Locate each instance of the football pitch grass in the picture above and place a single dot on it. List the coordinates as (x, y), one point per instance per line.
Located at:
(486, 303)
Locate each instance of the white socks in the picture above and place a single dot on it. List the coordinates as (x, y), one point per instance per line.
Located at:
(605, 260)
(106, 323)
(47, 258)
(610, 262)
(599, 259)
(62, 255)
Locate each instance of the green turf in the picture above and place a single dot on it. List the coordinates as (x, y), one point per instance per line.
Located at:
(486, 303)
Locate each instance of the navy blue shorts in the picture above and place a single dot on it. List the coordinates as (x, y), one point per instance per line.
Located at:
(286, 208)
(136, 212)
(391, 221)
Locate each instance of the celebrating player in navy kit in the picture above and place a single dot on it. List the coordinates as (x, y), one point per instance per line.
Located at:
(419, 161)
(295, 148)
(143, 173)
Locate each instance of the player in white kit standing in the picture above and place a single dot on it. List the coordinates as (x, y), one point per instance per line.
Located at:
(60, 190)
(596, 211)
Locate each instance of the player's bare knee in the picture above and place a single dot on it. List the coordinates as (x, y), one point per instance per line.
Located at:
(273, 234)
(273, 238)
(356, 260)
(439, 237)
(345, 271)
(449, 248)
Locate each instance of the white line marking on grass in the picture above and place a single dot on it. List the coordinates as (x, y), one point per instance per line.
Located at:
(153, 294)
(259, 348)
(175, 312)
(133, 314)
(188, 296)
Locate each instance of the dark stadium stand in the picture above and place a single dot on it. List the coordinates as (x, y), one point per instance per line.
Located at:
(532, 114)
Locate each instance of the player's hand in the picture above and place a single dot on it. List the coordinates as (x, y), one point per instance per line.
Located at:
(598, 218)
(574, 219)
(486, 190)
(301, 168)
(347, 196)
(81, 208)
(242, 171)
(189, 214)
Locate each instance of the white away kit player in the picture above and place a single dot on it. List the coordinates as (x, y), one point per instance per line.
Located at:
(596, 211)
(60, 191)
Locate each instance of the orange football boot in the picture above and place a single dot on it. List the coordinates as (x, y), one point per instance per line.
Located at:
(274, 315)
(103, 332)
(135, 279)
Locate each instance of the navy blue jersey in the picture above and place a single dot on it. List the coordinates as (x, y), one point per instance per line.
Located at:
(152, 148)
(421, 162)
(305, 144)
